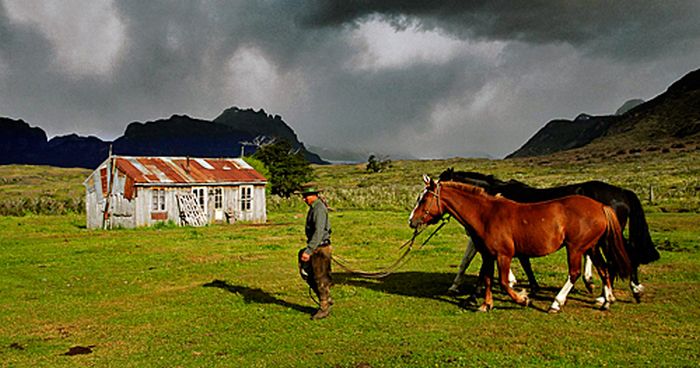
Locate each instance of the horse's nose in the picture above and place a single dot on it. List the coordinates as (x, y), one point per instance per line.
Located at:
(412, 223)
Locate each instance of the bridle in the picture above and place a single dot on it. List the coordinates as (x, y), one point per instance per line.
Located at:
(435, 194)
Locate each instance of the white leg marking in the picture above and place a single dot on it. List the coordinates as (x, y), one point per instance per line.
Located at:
(609, 294)
(601, 299)
(561, 297)
(636, 288)
(587, 269)
(511, 278)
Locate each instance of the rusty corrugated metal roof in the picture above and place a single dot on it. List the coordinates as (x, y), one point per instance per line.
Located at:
(184, 170)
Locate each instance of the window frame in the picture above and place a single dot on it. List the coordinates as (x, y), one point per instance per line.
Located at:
(200, 196)
(246, 199)
(218, 198)
(158, 200)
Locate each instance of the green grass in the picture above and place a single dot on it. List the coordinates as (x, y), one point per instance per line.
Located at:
(230, 296)
(674, 178)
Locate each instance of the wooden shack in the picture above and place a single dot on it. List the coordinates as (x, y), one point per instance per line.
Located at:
(127, 192)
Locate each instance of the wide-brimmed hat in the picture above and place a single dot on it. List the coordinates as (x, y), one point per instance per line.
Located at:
(309, 188)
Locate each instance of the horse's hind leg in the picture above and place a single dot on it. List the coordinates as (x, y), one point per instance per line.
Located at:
(503, 270)
(635, 286)
(469, 254)
(574, 260)
(527, 267)
(607, 297)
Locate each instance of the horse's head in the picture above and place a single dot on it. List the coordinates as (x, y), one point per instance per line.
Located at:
(428, 210)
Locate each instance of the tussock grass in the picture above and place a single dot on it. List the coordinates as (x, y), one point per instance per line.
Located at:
(46, 190)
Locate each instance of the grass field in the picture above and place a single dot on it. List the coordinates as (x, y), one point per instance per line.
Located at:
(230, 295)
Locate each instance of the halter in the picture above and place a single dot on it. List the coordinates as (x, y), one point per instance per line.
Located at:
(436, 194)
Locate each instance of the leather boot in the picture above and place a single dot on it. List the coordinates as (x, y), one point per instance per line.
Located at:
(324, 311)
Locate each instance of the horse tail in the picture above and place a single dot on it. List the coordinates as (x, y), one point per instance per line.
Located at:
(619, 261)
(644, 248)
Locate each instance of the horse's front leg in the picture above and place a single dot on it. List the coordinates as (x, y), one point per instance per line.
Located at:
(527, 266)
(588, 272)
(469, 254)
(503, 270)
(574, 261)
(486, 275)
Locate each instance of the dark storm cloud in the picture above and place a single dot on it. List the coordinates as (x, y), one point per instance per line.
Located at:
(505, 68)
(621, 29)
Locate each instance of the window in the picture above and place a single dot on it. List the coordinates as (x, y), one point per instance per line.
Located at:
(246, 198)
(218, 199)
(157, 200)
(199, 195)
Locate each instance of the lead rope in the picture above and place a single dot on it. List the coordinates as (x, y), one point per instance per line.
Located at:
(394, 266)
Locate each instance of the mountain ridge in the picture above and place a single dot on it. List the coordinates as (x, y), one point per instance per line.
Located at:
(178, 135)
(672, 117)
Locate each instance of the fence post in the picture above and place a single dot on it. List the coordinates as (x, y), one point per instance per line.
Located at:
(651, 194)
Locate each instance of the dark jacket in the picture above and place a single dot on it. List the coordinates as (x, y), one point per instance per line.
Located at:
(318, 227)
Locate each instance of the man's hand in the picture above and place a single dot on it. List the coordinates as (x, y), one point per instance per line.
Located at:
(305, 257)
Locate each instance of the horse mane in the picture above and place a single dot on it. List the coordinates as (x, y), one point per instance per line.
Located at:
(489, 182)
(472, 189)
(467, 176)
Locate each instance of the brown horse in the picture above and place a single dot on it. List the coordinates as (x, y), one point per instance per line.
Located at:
(504, 229)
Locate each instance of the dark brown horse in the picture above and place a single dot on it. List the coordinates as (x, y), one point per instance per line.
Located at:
(504, 229)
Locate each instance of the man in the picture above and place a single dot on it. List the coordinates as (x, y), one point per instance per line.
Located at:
(315, 258)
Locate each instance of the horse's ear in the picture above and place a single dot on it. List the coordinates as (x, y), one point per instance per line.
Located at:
(427, 179)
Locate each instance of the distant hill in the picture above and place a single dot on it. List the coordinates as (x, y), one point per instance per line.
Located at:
(672, 118)
(179, 135)
(560, 135)
(629, 105)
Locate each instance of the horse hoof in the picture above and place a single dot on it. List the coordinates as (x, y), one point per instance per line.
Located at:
(525, 301)
(471, 300)
(605, 306)
(485, 308)
(600, 301)
(637, 297)
(453, 290)
(553, 311)
(589, 287)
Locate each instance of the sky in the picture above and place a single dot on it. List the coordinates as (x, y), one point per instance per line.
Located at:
(428, 79)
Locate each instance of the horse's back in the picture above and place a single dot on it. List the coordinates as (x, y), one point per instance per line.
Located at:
(573, 215)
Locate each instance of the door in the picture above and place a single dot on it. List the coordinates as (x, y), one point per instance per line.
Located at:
(218, 204)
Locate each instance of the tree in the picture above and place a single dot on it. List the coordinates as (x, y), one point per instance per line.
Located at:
(287, 167)
(375, 164)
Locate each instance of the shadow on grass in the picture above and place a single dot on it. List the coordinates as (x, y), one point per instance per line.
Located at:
(255, 295)
(433, 285)
(430, 285)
